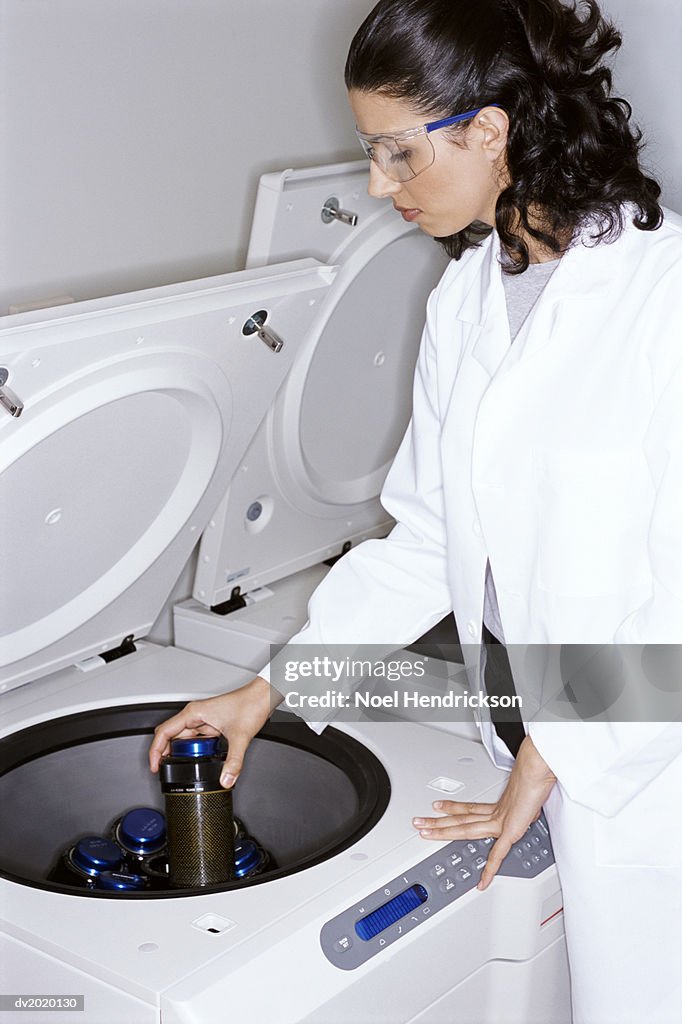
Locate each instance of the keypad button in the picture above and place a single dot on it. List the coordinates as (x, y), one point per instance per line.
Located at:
(446, 885)
(535, 858)
(526, 864)
(343, 944)
(488, 841)
(527, 845)
(437, 870)
(463, 874)
(471, 848)
(544, 852)
(455, 859)
(518, 852)
(480, 863)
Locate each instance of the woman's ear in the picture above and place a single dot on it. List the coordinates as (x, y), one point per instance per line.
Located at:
(493, 126)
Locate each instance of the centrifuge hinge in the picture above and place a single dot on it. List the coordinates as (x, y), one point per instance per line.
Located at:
(126, 646)
(233, 604)
(344, 551)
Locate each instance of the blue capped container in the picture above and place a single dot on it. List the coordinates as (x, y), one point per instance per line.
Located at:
(141, 833)
(196, 746)
(249, 859)
(82, 864)
(119, 881)
(198, 813)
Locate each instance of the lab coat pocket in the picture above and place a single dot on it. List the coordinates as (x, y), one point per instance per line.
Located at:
(647, 831)
(596, 509)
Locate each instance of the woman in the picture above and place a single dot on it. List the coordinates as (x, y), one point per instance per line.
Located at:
(537, 490)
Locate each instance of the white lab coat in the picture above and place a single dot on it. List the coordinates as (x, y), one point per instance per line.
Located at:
(559, 458)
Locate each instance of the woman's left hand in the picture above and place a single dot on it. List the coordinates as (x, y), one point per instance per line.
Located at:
(530, 783)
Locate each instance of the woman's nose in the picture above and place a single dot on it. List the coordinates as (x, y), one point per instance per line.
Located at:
(380, 185)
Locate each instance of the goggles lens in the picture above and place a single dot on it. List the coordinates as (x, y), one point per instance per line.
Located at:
(403, 155)
(400, 157)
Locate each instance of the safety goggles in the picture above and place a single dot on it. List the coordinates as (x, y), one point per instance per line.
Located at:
(401, 156)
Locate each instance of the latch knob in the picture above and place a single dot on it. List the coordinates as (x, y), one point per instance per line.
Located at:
(8, 400)
(332, 211)
(256, 325)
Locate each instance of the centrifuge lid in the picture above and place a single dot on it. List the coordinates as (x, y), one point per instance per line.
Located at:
(309, 483)
(137, 410)
(290, 220)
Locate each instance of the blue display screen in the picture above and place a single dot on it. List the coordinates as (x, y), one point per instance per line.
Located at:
(367, 927)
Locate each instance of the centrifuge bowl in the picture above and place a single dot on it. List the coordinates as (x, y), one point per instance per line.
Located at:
(304, 797)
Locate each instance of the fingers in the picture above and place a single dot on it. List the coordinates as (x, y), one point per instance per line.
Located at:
(237, 715)
(186, 723)
(238, 742)
(457, 807)
(444, 829)
(469, 826)
(527, 789)
(457, 816)
(498, 852)
(450, 821)
(163, 734)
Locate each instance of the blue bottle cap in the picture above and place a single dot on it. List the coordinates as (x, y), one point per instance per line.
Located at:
(142, 831)
(196, 746)
(248, 857)
(94, 854)
(115, 881)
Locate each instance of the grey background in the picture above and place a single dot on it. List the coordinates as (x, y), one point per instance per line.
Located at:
(133, 132)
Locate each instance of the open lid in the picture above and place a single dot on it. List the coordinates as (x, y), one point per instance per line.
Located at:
(136, 412)
(313, 212)
(309, 482)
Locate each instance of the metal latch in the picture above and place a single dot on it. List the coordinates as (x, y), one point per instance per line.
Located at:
(256, 325)
(127, 646)
(8, 400)
(344, 551)
(332, 211)
(233, 604)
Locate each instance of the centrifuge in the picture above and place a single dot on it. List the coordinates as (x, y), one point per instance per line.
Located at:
(244, 408)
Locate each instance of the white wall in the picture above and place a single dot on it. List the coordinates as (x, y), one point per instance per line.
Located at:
(134, 131)
(648, 73)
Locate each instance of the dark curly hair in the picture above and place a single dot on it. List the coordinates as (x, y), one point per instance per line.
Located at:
(571, 151)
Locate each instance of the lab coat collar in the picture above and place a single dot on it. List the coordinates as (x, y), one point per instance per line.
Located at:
(473, 279)
(583, 277)
(481, 276)
(473, 283)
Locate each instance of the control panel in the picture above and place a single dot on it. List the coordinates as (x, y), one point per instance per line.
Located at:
(404, 903)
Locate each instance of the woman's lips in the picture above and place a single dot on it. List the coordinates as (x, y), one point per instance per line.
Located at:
(408, 214)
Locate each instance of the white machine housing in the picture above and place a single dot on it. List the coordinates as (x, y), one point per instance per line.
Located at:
(139, 412)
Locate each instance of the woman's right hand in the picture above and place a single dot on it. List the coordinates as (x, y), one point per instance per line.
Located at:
(237, 716)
